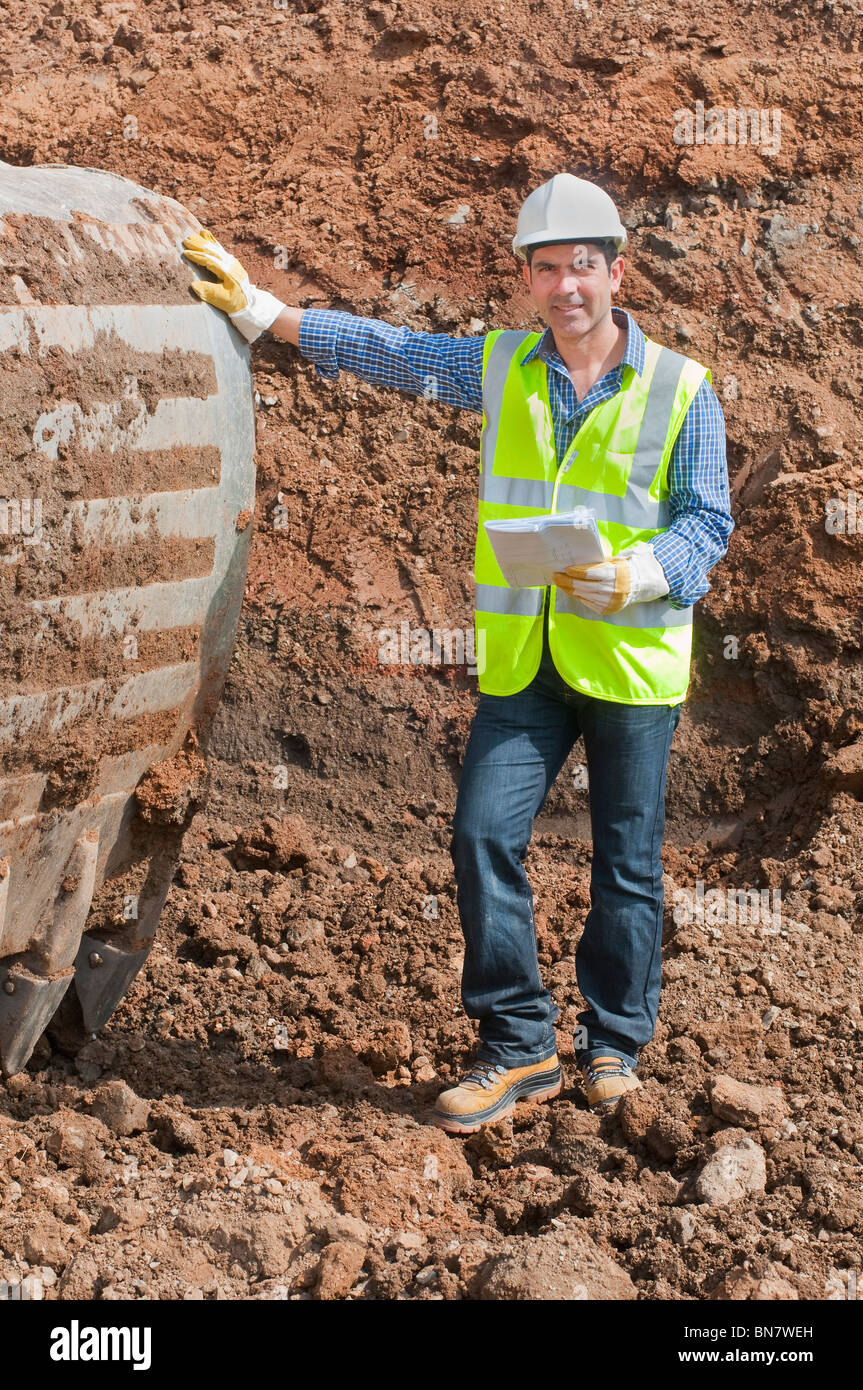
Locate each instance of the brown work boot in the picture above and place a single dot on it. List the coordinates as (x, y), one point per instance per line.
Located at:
(488, 1091)
(606, 1079)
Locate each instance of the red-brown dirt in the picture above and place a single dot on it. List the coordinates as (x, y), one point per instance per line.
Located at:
(253, 1121)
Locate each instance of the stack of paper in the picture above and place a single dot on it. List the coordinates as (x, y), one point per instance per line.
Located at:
(531, 549)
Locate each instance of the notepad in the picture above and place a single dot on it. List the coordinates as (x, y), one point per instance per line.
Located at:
(531, 549)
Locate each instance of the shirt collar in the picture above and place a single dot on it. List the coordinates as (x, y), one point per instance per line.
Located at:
(633, 353)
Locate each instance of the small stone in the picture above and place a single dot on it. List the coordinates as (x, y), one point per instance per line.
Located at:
(560, 1264)
(743, 1104)
(665, 247)
(338, 1269)
(734, 1171)
(742, 1284)
(390, 1046)
(682, 1225)
(730, 388)
(783, 232)
(409, 1240)
(75, 1140)
(116, 1104)
(174, 1131)
(124, 1212)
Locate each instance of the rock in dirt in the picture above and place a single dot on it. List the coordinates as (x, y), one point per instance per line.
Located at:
(844, 769)
(744, 1104)
(125, 1212)
(117, 1106)
(741, 1284)
(338, 1227)
(282, 842)
(390, 1045)
(645, 1118)
(682, 1227)
(83, 1277)
(175, 1132)
(339, 1268)
(734, 1171)
(76, 1141)
(171, 791)
(559, 1265)
(49, 1241)
(264, 1246)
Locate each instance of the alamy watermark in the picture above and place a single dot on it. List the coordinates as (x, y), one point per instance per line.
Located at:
(841, 516)
(21, 516)
(732, 125)
(843, 1284)
(421, 646)
(77, 1343)
(731, 906)
(28, 1289)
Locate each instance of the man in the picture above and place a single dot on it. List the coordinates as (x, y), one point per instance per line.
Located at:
(590, 412)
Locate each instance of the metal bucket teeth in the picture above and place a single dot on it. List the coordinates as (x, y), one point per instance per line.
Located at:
(103, 973)
(27, 1004)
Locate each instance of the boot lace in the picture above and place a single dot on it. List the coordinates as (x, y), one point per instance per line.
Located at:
(483, 1074)
(606, 1069)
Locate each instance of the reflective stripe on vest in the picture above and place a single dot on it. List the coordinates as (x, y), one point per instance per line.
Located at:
(641, 654)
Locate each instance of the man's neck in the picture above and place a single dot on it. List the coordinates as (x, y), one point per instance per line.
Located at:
(592, 354)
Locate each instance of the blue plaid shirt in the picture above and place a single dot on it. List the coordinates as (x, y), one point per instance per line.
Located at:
(440, 367)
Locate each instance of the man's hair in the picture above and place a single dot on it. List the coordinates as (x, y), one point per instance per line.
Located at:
(607, 247)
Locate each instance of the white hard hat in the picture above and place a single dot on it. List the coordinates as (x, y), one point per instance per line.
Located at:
(567, 209)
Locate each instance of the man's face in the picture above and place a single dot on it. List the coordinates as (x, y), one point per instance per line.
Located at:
(571, 286)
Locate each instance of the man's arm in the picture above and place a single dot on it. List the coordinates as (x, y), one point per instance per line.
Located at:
(287, 325)
(435, 366)
(699, 504)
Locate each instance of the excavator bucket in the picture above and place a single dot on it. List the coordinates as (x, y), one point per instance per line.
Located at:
(126, 491)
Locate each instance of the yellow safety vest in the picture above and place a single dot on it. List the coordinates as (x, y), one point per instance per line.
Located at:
(617, 465)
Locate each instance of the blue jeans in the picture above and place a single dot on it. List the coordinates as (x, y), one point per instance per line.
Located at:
(517, 746)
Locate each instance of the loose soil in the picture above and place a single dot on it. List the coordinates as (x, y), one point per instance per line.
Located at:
(253, 1120)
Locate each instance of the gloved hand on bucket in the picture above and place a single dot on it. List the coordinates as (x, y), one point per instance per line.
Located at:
(633, 576)
(250, 310)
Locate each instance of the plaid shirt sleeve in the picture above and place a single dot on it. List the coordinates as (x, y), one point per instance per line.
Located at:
(435, 366)
(699, 505)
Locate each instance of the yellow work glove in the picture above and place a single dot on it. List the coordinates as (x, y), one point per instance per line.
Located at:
(609, 585)
(250, 310)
